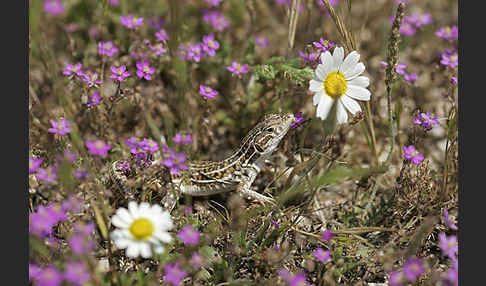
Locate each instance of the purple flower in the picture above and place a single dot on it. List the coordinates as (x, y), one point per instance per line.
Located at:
(80, 242)
(210, 45)
(34, 164)
(331, 2)
(120, 73)
(275, 224)
(158, 49)
(98, 147)
(182, 139)
(175, 161)
(149, 145)
(91, 78)
(322, 255)
(156, 22)
(449, 59)
(68, 156)
(57, 213)
(124, 164)
(426, 120)
(94, 99)
(452, 276)
(413, 268)
(48, 175)
(189, 235)
(130, 21)
(34, 271)
(174, 274)
(73, 69)
(197, 260)
(207, 92)
(261, 41)
(237, 69)
(448, 245)
(397, 278)
(298, 120)
(53, 7)
(448, 33)
(454, 80)
(407, 29)
(217, 20)
(183, 50)
(419, 20)
(42, 221)
(107, 48)
(400, 68)
(187, 211)
(327, 235)
(410, 77)
(213, 3)
(144, 70)
(162, 35)
(298, 279)
(61, 127)
(49, 276)
(194, 52)
(412, 154)
(114, 2)
(76, 273)
(80, 174)
(310, 58)
(324, 45)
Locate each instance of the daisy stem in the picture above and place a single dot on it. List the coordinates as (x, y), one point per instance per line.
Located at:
(372, 129)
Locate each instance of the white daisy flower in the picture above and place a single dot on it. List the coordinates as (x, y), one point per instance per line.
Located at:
(141, 229)
(337, 78)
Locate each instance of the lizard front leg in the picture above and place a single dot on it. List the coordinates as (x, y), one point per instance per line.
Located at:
(249, 175)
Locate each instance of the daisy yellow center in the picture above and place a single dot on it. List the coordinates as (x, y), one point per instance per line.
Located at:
(142, 228)
(146, 69)
(335, 84)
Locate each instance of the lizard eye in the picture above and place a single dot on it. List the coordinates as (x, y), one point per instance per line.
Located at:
(259, 148)
(270, 129)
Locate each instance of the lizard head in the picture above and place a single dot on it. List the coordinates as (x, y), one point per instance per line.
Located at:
(271, 130)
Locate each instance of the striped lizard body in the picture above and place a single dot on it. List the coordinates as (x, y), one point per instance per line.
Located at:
(236, 172)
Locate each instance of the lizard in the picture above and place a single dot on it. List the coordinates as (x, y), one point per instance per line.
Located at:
(236, 172)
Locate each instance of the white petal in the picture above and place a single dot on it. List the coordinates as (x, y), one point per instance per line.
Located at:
(358, 92)
(341, 115)
(320, 72)
(145, 250)
(158, 249)
(317, 98)
(163, 236)
(350, 104)
(324, 106)
(338, 56)
(358, 69)
(118, 221)
(315, 86)
(133, 250)
(133, 208)
(156, 208)
(144, 206)
(123, 215)
(116, 234)
(349, 62)
(122, 243)
(360, 81)
(326, 60)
